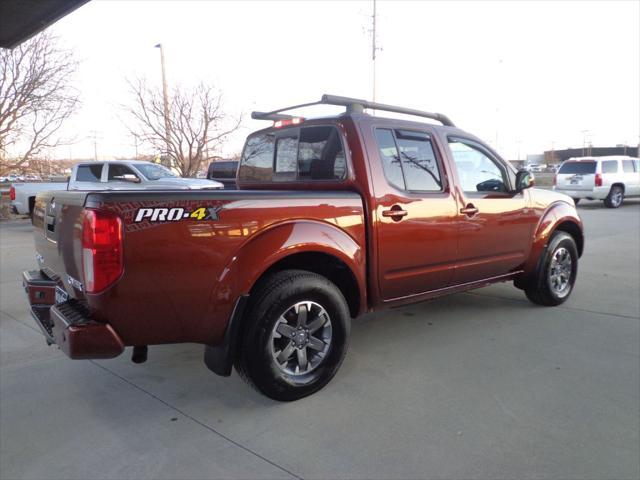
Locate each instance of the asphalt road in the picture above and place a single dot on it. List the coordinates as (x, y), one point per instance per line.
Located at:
(476, 385)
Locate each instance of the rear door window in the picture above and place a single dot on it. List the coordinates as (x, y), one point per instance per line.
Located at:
(610, 166)
(390, 158)
(577, 168)
(89, 173)
(627, 166)
(418, 161)
(408, 160)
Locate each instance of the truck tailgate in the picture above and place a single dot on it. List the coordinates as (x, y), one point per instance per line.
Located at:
(56, 217)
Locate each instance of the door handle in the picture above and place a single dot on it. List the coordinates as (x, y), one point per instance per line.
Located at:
(470, 210)
(395, 212)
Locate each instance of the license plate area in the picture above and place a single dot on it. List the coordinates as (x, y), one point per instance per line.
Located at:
(61, 295)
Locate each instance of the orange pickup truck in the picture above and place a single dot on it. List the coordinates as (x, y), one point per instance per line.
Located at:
(333, 217)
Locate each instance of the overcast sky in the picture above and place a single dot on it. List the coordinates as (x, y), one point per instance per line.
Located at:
(525, 76)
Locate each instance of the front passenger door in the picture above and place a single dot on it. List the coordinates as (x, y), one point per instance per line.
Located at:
(494, 223)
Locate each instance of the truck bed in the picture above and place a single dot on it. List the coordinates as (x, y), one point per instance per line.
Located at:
(194, 248)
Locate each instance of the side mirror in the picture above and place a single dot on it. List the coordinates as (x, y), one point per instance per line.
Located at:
(524, 179)
(128, 177)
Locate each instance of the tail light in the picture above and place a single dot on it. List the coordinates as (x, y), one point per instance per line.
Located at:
(598, 180)
(102, 262)
(12, 193)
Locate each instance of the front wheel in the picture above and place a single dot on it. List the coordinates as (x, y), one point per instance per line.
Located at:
(557, 271)
(295, 335)
(615, 197)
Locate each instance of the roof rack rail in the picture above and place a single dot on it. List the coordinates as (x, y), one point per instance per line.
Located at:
(354, 105)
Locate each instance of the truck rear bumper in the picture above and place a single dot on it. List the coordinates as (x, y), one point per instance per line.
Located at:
(68, 324)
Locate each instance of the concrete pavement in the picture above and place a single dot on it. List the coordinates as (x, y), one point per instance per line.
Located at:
(476, 385)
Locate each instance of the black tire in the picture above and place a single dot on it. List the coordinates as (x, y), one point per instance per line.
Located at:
(576, 201)
(615, 197)
(273, 298)
(540, 290)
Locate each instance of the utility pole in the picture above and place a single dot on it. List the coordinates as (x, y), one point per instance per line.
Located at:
(165, 97)
(585, 133)
(95, 145)
(374, 48)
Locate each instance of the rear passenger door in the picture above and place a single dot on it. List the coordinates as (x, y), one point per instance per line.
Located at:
(415, 214)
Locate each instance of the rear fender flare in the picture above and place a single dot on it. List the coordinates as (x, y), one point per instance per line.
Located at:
(253, 259)
(261, 252)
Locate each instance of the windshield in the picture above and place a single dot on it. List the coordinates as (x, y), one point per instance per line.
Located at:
(578, 167)
(155, 172)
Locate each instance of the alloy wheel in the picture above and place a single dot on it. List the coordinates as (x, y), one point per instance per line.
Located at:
(301, 338)
(560, 271)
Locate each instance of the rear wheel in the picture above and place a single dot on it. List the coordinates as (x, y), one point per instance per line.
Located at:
(295, 335)
(557, 271)
(615, 197)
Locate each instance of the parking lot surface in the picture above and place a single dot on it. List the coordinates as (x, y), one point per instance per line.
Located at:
(476, 385)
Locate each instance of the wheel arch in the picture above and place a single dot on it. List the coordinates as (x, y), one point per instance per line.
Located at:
(309, 245)
(306, 245)
(559, 216)
(327, 265)
(618, 184)
(573, 229)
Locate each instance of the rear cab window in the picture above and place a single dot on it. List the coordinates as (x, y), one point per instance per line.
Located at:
(297, 154)
(577, 168)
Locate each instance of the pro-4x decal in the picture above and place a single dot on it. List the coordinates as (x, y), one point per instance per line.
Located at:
(174, 214)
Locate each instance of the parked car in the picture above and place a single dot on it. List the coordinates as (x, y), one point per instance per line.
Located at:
(335, 217)
(224, 172)
(111, 175)
(610, 179)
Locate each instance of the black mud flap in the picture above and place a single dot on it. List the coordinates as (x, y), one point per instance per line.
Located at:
(219, 358)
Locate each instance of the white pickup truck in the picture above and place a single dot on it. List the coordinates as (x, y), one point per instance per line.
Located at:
(109, 175)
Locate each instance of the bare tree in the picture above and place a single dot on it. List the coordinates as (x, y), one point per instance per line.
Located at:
(36, 97)
(197, 124)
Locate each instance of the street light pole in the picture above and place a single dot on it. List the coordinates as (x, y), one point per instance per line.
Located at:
(165, 97)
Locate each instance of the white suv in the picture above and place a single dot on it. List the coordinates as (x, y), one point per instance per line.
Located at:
(599, 178)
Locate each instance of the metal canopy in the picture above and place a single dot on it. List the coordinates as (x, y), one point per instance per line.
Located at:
(21, 19)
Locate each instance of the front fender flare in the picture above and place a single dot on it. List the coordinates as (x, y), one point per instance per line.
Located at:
(556, 214)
